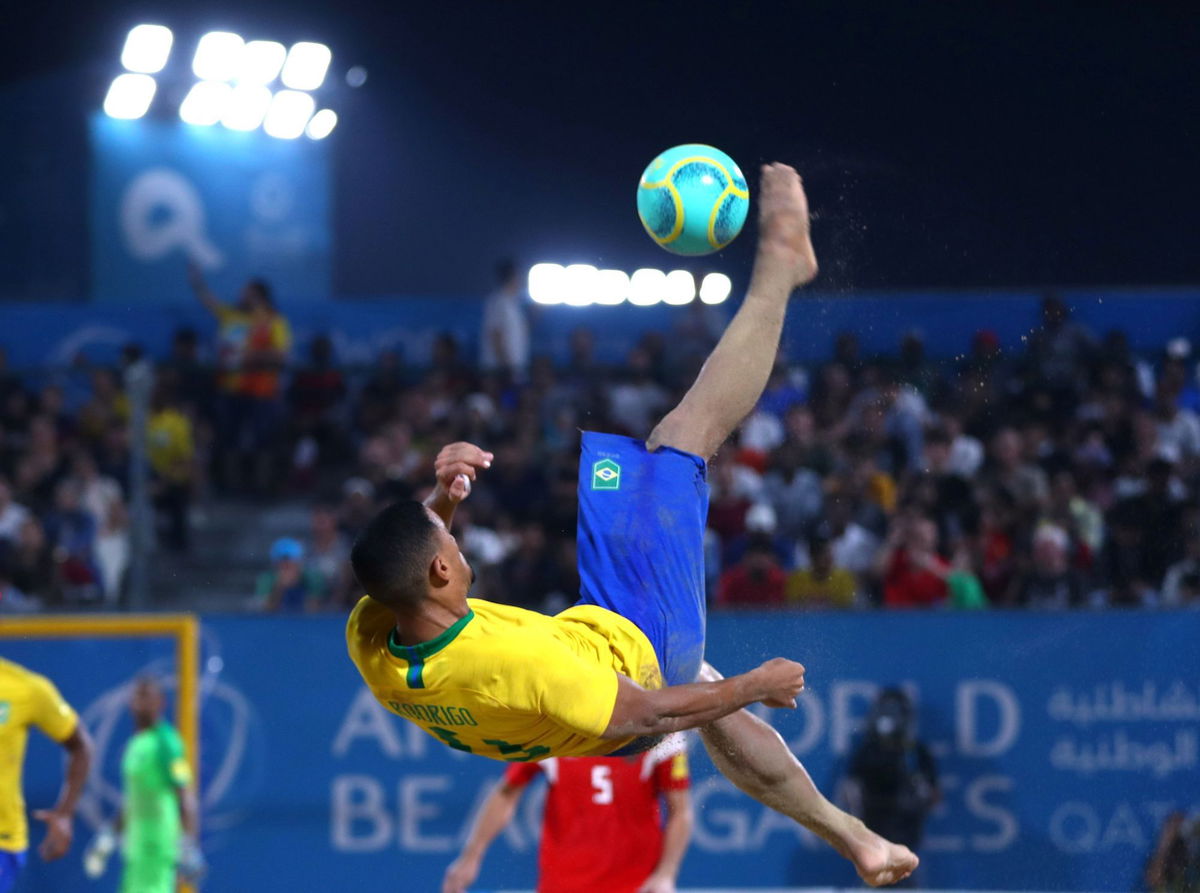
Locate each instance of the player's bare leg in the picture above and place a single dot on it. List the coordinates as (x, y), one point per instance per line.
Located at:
(736, 372)
(754, 757)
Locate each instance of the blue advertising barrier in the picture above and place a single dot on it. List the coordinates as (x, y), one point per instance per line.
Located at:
(163, 193)
(1062, 741)
(53, 334)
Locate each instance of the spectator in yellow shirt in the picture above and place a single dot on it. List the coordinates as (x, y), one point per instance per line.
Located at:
(821, 584)
(171, 449)
(253, 340)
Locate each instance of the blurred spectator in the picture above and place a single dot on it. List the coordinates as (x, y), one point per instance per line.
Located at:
(315, 400)
(915, 368)
(1123, 568)
(530, 573)
(892, 778)
(253, 344)
(42, 466)
(1051, 583)
(381, 392)
(794, 492)
(170, 448)
(822, 584)
(193, 379)
(853, 545)
(289, 587)
(71, 532)
(637, 401)
(31, 563)
(12, 599)
(914, 575)
(966, 452)
(1060, 351)
(107, 405)
(12, 514)
(1026, 483)
(103, 500)
(1174, 867)
(757, 581)
(1178, 429)
(1181, 583)
(951, 500)
(504, 341)
(357, 506)
(329, 555)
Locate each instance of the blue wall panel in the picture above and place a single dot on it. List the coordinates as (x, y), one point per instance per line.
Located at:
(1063, 741)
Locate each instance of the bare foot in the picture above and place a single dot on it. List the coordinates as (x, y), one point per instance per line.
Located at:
(784, 223)
(880, 862)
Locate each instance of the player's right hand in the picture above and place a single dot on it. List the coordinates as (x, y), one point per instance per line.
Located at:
(456, 465)
(460, 875)
(59, 832)
(780, 680)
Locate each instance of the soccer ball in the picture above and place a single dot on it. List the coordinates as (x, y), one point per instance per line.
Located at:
(693, 199)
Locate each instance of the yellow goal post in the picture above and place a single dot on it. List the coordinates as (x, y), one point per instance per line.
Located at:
(182, 629)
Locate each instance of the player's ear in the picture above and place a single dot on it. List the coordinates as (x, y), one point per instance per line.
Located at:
(439, 570)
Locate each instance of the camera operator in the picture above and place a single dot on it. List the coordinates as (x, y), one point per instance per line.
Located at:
(892, 779)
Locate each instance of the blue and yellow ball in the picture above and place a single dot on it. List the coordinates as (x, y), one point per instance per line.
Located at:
(693, 199)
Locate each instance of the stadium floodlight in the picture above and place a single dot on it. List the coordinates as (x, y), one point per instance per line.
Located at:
(646, 287)
(580, 285)
(218, 56)
(205, 103)
(289, 113)
(306, 65)
(261, 62)
(129, 96)
(247, 106)
(715, 288)
(147, 48)
(681, 288)
(546, 283)
(612, 287)
(321, 124)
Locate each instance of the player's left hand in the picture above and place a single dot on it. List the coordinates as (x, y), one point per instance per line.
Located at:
(59, 831)
(456, 465)
(658, 883)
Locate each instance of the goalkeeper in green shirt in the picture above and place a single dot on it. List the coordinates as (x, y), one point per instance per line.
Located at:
(157, 822)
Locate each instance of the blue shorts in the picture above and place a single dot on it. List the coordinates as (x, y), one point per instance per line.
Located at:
(641, 544)
(10, 869)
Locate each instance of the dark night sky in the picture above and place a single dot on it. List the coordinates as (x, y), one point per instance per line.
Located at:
(944, 144)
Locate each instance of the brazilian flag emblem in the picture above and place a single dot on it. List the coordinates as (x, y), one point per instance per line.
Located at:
(606, 475)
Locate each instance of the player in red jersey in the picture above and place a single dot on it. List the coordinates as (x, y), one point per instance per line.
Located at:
(602, 829)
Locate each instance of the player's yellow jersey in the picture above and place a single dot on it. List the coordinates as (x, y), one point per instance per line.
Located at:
(26, 699)
(504, 682)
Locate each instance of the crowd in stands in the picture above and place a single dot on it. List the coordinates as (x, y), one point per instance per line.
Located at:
(1062, 475)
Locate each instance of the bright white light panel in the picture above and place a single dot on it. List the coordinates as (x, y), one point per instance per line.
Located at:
(235, 75)
(581, 285)
(147, 48)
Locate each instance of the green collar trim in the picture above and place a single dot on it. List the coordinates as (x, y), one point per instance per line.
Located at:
(418, 653)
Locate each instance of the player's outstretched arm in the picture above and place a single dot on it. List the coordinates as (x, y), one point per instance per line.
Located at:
(61, 819)
(494, 816)
(640, 712)
(455, 467)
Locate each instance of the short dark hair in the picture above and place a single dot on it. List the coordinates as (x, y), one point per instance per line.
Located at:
(392, 553)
